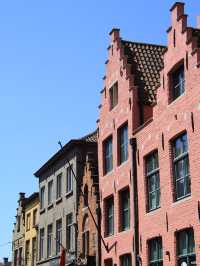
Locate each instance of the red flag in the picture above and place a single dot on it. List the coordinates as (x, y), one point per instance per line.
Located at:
(62, 257)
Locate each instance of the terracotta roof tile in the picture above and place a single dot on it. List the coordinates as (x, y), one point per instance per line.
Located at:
(147, 61)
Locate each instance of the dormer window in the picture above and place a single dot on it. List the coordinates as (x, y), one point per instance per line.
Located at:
(113, 92)
(178, 82)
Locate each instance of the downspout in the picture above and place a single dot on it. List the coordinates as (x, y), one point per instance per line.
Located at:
(133, 143)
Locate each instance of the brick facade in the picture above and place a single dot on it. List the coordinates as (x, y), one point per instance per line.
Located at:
(155, 119)
(89, 249)
(170, 119)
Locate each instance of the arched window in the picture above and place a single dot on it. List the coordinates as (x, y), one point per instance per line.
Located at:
(85, 196)
(85, 236)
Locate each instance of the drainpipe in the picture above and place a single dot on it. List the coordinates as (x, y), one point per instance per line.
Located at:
(133, 143)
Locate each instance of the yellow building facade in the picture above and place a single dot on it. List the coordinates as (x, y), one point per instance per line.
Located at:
(31, 232)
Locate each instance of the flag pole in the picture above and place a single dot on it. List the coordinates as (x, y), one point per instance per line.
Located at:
(89, 209)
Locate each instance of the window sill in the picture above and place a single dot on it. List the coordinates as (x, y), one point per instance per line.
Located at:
(59, 200)
(124, 230)
(85, 208)
(108, 173)
(107, 236)
(122, 164)
(42, 211)
(153, 210)
(50, 206)
(69, 194)
(175, 100)
(185, 198)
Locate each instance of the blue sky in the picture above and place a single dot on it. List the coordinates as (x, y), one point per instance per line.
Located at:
(52, 56)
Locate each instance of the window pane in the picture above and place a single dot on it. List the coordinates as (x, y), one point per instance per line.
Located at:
(125, 260)
(108, 159)
(125, 209)
(109, 216)
(69, 180)
(178, 82)
(123, 143)
(155, 251)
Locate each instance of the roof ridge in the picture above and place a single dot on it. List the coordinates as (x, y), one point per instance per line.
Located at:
(143, 43)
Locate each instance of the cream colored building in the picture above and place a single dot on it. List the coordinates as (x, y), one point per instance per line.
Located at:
(31, 225)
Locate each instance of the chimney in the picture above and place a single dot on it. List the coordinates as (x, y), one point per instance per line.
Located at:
(177, 11)
(198, 21)
(21, 195)
(115, 34)
(5, 261)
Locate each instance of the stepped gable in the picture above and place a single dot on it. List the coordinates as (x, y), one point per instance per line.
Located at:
(147, 61)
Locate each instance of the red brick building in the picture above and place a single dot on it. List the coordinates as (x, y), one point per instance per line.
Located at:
(149, 187)
(89, 245)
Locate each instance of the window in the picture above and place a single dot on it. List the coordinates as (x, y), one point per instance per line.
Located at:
(153, 181)
(69, 180)
(50, 192)
(109, 216)
(18, 223)
(42, 243)
(186, 247)
(27, 252)
(15, 257)
(181, 167)
(123, 144)
(34, 251)
(108, 262)
(59, 186)
(28, 221)
(125, 260)
(155, 252)
(124, 210)
(34, 217)
(85, 199)
(69, 232)
(20, 256)
(113, 95)
(49, 239)
(108, 156)
(42, 191)
(178, 82)
(58, 235)
(85, 236)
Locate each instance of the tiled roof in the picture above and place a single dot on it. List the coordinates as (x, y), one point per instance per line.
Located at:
(89, 139)
(92, 137)
(147, 61)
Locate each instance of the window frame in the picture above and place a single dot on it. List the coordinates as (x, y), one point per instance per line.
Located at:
(189, 255)
(59, 186)
(42, 197)
(69, 231)
(35, 213)
(153, 174)
(50, 192)
(108, 155)
(175, 160)
(58, 236)
(123, 147)
(49, 240)
(113, 95)
(27, 252)
(109, 221)
(157, 242)
(42, 241)
(126, 260)
(69, 180)
(124, 210)
(28, 222)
